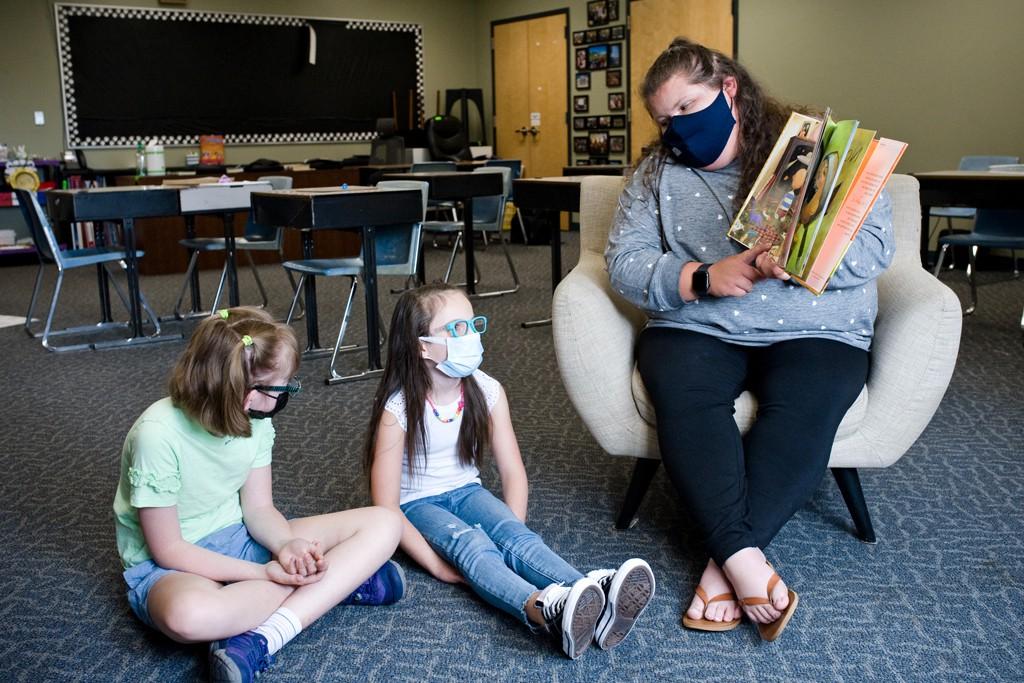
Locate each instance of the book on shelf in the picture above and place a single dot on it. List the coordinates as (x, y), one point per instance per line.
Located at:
(818, 185)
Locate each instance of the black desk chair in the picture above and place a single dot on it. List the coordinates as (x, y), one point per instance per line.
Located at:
(447, 140)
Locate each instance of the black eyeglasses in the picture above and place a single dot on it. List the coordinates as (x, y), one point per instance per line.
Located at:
(292, 387)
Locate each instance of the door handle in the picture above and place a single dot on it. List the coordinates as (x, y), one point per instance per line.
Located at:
(534, 130)
(522, 131)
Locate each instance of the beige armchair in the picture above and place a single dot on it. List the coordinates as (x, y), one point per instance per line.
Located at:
(917, 337)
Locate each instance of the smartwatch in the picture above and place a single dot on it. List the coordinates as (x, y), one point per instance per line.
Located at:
(701, 282)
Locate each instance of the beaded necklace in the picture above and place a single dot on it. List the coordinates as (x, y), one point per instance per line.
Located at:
(458, 409)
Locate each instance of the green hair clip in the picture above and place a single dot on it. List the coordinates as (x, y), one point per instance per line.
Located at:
(246, 340)
(223, 313)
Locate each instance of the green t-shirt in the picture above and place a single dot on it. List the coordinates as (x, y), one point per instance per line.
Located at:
(169, 459)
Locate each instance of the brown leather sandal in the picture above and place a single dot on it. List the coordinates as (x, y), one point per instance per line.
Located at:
(773, 630)
(703, 624)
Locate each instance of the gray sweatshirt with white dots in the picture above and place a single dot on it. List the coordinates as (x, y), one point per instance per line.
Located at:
(694, 212)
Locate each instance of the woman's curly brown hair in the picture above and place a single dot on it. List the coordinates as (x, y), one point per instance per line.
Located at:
(761, 118)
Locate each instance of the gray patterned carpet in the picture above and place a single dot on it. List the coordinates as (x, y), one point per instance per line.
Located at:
(939, 598)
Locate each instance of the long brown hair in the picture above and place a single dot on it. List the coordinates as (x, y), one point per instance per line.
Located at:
(761, 118)
(215, 372)
(406, 371)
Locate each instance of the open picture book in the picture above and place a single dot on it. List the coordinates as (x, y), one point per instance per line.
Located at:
(813, 194)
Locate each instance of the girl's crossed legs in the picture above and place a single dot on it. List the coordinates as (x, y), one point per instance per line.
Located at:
(190, 608)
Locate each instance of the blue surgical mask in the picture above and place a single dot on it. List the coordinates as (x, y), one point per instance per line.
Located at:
(465, 354)
(698, 139)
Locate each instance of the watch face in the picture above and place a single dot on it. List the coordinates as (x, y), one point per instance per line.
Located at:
(701, 280)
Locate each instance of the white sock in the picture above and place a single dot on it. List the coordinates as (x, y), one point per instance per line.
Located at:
(279, 628)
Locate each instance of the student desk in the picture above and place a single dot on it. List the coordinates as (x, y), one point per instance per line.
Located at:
(459, 186)
(978, 189)
(332, 208)
(549, 194)
(123, 205)
(225, 200)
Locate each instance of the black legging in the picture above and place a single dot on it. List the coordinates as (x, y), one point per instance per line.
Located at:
(741, 490)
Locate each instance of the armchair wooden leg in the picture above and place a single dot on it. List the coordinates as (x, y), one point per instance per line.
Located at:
(643, 473)
(853, 495)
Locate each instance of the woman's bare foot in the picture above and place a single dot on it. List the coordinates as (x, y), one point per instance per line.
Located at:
(714, 583)
(748, 572)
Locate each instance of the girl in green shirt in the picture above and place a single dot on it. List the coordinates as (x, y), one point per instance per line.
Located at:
(207, 556)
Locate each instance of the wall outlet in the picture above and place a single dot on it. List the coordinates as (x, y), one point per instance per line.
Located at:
(39, 118)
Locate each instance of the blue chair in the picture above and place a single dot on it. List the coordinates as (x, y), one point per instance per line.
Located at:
(257, 238)
(48, 250)
(516, 166)
(967, 163)
(488, 218)
(993, 229)
(443, 166)
(398, 252)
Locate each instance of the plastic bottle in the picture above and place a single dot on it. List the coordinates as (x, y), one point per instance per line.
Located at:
(140, 159)
(155, 158)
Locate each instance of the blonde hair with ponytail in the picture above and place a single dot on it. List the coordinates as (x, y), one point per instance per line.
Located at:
(228, 353)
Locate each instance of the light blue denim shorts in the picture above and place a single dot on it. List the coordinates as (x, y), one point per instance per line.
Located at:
(233, 541)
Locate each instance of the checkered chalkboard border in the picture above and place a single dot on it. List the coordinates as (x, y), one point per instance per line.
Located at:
(75, 140)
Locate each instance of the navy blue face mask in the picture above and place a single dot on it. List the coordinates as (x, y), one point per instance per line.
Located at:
(698, 139)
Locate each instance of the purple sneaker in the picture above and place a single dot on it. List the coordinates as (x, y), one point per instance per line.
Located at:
(385, 587)
(239, 659)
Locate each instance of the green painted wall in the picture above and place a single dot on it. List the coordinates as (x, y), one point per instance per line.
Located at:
(941, 74)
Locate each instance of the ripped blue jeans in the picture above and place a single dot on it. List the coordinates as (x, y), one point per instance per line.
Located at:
(499, 556)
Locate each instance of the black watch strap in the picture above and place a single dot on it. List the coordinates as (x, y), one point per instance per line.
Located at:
(701, 282)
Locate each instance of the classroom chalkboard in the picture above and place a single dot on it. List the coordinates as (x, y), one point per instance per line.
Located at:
(131, 74)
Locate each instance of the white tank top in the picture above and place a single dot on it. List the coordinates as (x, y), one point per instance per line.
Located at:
(443, 472)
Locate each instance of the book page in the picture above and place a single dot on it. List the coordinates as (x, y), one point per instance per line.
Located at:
(838, 138)
(861, 145)
(875, 171)
(773, 201)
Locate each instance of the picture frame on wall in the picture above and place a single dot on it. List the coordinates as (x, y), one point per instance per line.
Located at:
(581, 59)
(583, 80)
(578, 37)
(612, 10)
(604, 35)
(591, 37)
(591, 122)
(617, 32)
(597, 57)
(604, 121)
(616, 101)
(581, 103)
(614, 55)
(618, 121)
(613, 78)
(597, 12)
(616, 144)
(579, 123)
(580, 144)
(598, 143)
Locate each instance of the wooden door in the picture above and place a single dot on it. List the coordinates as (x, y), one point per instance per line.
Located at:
(531, 93)
(652, 26)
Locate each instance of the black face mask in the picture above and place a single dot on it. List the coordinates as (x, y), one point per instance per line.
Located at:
(282, 401)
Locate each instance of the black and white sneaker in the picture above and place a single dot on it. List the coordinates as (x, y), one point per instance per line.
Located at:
(572, 612)
(627, 590)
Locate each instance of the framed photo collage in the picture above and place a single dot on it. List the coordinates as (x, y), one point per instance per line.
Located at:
(599, 96)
